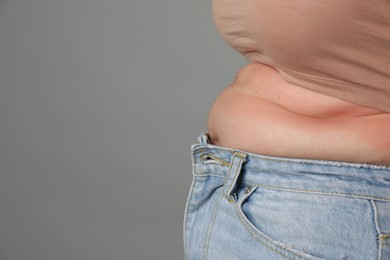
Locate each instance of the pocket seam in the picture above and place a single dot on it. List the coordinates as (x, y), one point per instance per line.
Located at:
(266, 241)
(360, 196)
(186, 216)
(211, 226)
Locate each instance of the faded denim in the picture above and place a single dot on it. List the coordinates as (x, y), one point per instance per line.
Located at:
(248, 206)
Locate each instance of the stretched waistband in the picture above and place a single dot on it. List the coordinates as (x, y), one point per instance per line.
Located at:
(298, 175)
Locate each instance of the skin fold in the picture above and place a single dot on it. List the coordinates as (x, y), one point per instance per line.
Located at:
(262, 113)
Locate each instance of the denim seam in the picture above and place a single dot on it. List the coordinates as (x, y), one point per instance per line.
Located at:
(378, 230)
(319, 192)
(185, 221)
(210, 174)
(302, 190)
(271, 244)
(257, 239)
(236, 166)
(186, 216)
(296, 160)
(228, 174)
(261, 242)
(375, 210)
(210, 228)
(190, 195)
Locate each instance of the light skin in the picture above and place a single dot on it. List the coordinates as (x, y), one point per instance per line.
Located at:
(262, 113)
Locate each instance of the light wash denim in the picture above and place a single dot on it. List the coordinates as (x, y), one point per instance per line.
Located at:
(248, 206)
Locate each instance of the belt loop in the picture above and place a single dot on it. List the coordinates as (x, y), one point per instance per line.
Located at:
(233, 174)
(203, 138)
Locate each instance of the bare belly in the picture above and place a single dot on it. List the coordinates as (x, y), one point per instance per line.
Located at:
(262, 113)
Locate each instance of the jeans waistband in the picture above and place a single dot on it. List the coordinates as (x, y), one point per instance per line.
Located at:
(290, 174)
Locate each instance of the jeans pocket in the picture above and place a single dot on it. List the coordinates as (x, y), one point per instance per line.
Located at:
(254, 218)
(300, 225)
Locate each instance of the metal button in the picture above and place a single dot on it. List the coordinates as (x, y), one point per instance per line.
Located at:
(248, 189)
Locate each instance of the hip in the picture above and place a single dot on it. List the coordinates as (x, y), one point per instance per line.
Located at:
(249, 206)
(263, 114)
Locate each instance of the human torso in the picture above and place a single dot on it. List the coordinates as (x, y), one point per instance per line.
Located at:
(263, 112)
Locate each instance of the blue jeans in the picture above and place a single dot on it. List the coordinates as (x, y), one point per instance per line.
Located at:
(248, 206)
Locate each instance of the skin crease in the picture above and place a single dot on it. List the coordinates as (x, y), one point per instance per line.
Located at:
(262, 113)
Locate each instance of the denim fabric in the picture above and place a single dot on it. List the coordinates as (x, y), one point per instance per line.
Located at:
(248, 206)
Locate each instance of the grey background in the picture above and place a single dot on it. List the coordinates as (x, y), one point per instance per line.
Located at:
(99, 104)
